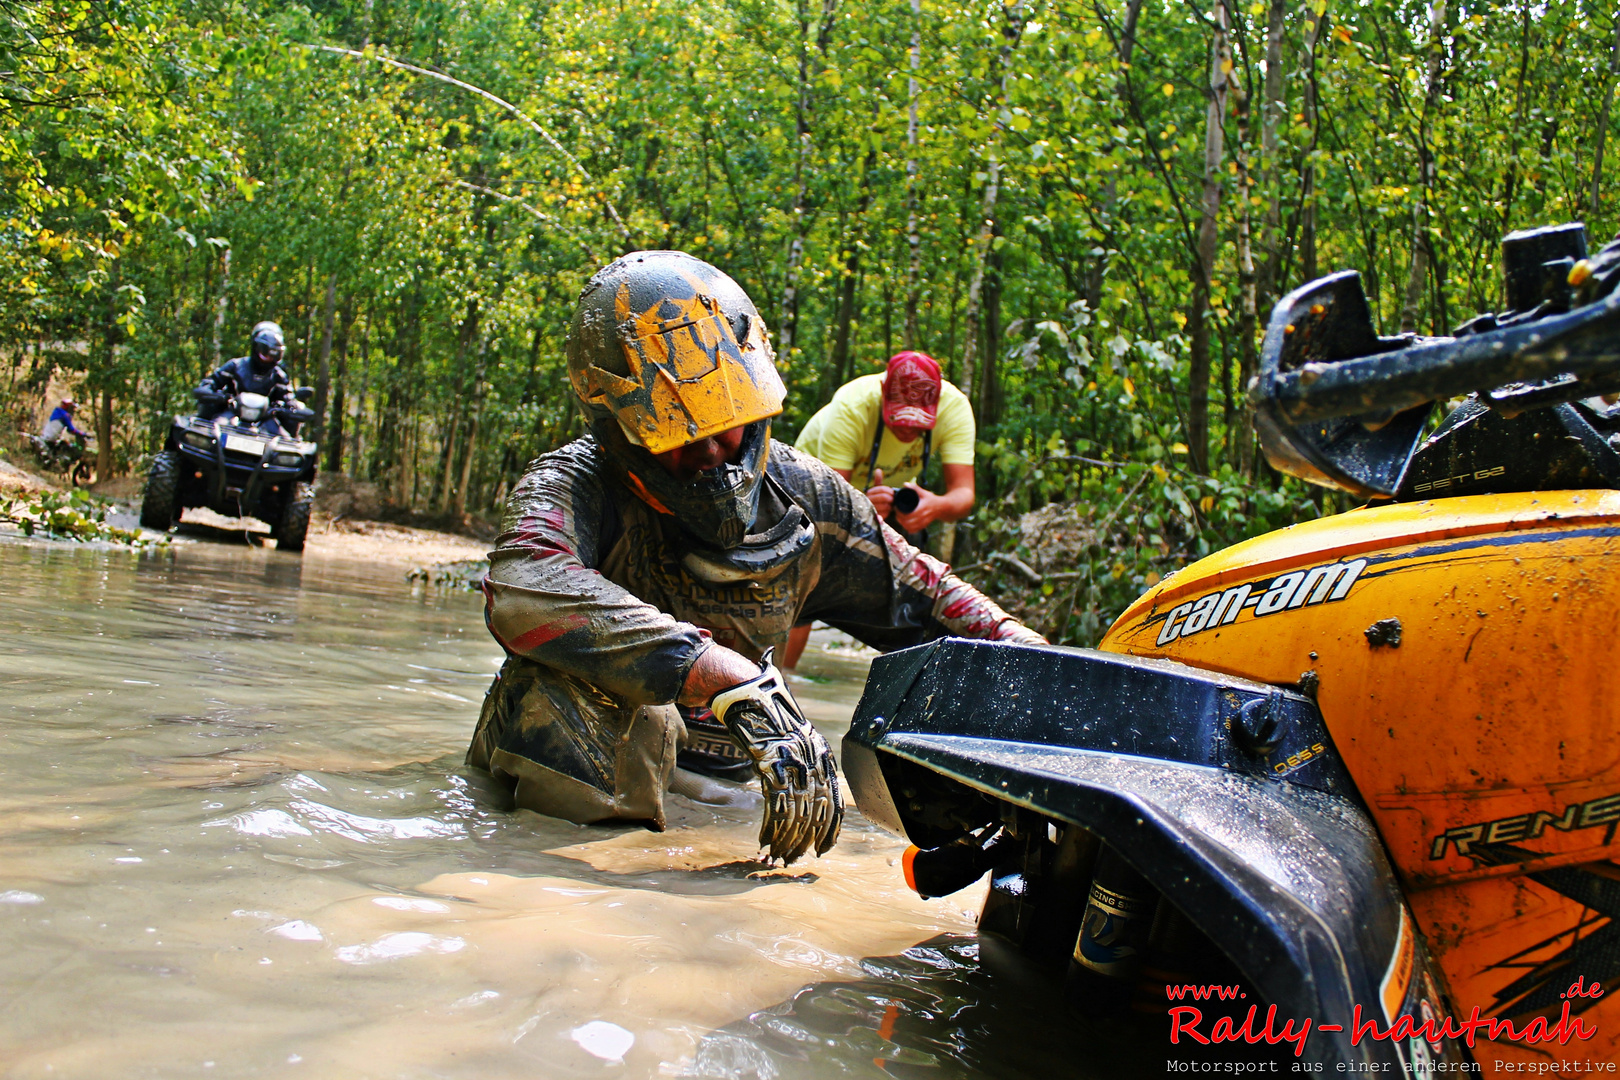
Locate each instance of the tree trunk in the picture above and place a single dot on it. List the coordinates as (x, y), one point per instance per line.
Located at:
(458, 503)
(1220, 69)
(323, 370)
(307, 308)
(1124, 47)
(104, 429)
(221, 307)
(1603, 118)
(1314, 20)
(1237, 433)
(1510, 179)
(1012, 30)
(389, 459)
(357, 452)
(110, 335)
(848, 286)
(1417, 278)
(908, 335)
(335, 432)
(1270, 268)
(788, 326)
(468, 333)
(990, 399)
(447, 460)
(415, 459)
(850, 282)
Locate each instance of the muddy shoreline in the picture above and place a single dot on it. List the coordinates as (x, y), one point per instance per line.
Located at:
(379, 543)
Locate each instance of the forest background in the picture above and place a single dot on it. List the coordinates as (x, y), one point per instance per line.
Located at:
(1085, 210)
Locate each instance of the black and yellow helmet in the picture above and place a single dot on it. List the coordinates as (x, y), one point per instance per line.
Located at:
(665, 350)
(266, 345)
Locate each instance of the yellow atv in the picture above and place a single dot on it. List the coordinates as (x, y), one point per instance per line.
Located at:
(1364, 768)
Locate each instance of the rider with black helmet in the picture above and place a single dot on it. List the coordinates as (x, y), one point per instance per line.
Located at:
(646, 570)
(259, 372)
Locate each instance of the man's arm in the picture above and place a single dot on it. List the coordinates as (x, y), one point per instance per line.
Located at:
(221, 381)
(546, 601)
(879, 588)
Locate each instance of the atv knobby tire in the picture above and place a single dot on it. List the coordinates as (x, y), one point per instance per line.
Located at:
(294, 523)
(160, 506)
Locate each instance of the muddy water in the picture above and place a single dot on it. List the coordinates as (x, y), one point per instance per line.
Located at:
(236, 840)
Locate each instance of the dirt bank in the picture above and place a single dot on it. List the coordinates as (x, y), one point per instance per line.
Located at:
(394, 545)
(400, 546)
(14, 479)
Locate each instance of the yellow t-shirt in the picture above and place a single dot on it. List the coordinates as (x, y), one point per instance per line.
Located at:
(840, 434)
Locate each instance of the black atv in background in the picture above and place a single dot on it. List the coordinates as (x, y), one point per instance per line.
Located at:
(237, 464)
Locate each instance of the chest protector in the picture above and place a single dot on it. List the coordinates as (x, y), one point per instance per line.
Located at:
(748, 597)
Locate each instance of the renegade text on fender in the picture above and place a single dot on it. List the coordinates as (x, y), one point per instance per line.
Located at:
(1295, 589)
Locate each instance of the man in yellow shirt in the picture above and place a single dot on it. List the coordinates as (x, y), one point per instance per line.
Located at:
(879, 433)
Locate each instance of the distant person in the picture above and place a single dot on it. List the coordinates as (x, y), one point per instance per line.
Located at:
(259, 372)
(61, 423)
(879, 432)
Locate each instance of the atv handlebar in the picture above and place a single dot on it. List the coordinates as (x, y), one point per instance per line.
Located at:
(1579, 352)
(1338, 405)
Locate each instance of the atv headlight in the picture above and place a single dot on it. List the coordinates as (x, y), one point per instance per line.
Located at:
(288, 460)
(202, 442)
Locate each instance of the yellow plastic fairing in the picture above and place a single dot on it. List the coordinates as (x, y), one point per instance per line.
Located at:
(1461, 651)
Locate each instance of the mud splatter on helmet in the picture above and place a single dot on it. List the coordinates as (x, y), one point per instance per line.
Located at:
(665, 350)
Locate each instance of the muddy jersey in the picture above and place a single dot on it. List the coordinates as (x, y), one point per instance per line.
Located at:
(588, 579)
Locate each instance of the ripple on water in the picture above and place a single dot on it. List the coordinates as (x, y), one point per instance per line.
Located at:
(397, 946)
(599, 1038)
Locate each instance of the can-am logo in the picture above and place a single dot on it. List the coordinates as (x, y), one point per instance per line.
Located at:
(1295, 589)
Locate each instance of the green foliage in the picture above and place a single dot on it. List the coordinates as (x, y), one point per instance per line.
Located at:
(170, 173)
(70, 515)
(1118, 531)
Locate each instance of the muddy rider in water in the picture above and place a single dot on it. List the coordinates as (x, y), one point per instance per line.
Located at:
(646, 570)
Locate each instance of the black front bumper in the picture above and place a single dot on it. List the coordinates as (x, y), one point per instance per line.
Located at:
(1196, 779)
(231, 482)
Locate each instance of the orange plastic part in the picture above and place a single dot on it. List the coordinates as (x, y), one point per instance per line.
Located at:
(1459, 650)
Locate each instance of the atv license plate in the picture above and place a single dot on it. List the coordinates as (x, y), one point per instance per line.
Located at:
(244, 445)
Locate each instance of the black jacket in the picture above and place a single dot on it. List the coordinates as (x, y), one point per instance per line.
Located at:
(239, 376)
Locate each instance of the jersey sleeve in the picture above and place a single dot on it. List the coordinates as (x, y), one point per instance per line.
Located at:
(874, 585)
(546, 601)
(954, 427)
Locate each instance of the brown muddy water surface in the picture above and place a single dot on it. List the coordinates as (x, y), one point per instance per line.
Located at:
(237, 840)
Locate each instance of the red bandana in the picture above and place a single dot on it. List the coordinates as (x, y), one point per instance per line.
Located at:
(911, 391)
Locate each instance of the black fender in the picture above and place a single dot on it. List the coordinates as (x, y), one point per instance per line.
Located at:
(1225, 794)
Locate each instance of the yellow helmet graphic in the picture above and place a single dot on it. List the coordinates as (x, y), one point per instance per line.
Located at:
(665, 350)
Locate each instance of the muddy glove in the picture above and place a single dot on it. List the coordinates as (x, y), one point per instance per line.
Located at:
(803, 806)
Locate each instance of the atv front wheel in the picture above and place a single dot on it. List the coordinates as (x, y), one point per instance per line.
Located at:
(160, 506)
(294, 524)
